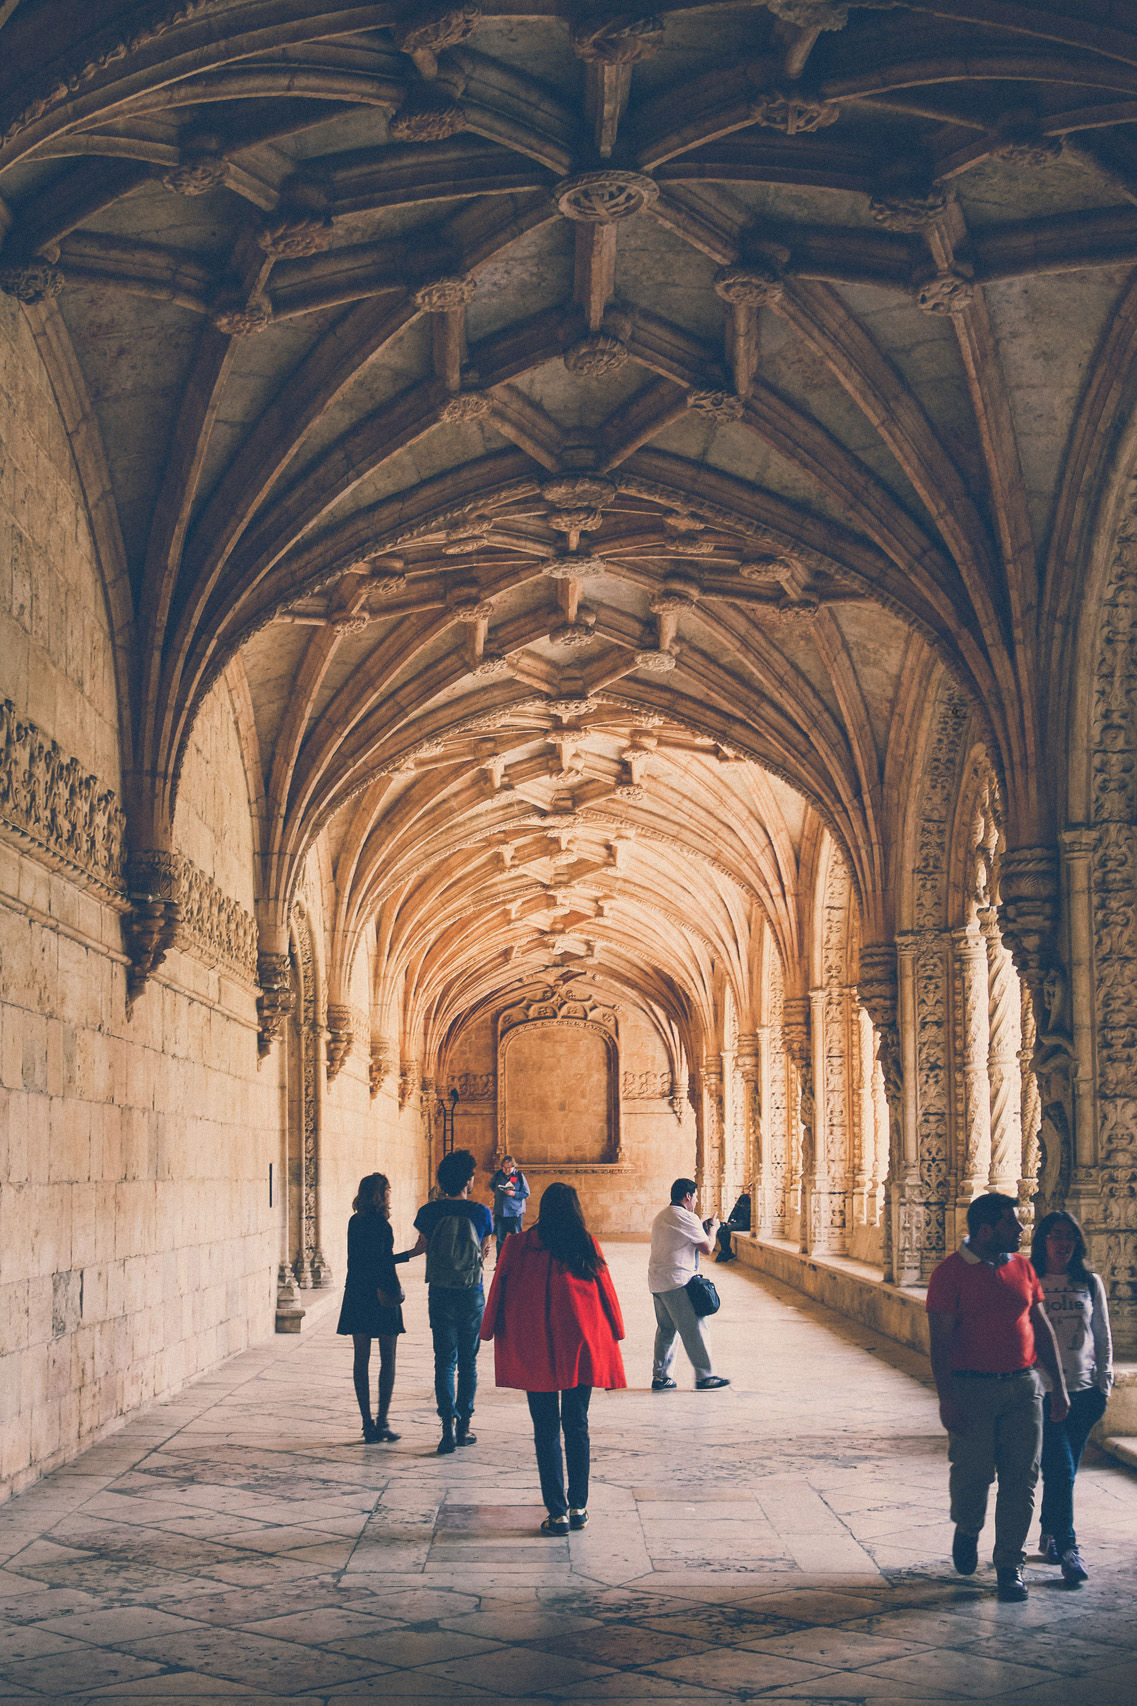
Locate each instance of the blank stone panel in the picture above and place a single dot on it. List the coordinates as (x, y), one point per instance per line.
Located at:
(557, 1095)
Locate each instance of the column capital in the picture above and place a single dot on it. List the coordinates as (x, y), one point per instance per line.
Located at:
(1078, 843)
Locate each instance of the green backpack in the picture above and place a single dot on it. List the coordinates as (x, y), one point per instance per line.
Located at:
(454, 1254)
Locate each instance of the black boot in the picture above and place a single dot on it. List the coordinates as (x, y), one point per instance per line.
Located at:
(384, 1434)
(465, 1437)
(447, 1443)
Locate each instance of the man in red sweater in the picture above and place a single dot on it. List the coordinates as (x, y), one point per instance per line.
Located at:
(988, 1327)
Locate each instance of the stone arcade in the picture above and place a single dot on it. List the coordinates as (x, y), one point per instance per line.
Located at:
(583, 559)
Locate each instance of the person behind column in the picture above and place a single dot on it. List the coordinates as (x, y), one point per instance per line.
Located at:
(988, 1324)
(372, 1297)
(738, 1220)
(1079, 1314)
(677, 1238)
(455, 1233)
(555, 1320)
(510, 1188)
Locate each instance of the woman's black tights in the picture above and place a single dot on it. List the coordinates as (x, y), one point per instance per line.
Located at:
(361, 1376)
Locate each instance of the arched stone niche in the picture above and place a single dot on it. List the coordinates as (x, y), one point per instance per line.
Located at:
(558, 1077)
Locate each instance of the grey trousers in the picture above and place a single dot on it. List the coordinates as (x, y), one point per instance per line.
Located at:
(1003, 1440)
(674, 1314)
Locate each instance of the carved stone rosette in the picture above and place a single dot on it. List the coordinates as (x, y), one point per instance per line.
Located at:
(296, 237)
(339, 1039)
(755, 286)
(948, 293)
(810, 14)
(242, 319)
(197, 174)
(446, 295)
(910, 213)
(624, 40)
(595, 356)
(605, 197)
(721, 406)
(276, 999)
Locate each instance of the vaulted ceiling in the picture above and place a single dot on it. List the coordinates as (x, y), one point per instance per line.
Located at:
(579, 429)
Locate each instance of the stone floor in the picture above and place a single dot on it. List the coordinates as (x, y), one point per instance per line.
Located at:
(784, 1539)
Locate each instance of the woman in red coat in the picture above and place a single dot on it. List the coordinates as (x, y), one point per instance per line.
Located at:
(555, 1319)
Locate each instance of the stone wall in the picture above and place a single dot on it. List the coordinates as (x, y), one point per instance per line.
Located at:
(618, 1201)
(136, 1240)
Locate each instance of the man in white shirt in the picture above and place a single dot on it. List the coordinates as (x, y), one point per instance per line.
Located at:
(677, 1236)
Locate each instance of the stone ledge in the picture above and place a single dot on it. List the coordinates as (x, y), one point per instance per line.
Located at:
(858, 1291)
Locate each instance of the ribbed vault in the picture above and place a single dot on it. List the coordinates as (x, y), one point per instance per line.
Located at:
(573, 435)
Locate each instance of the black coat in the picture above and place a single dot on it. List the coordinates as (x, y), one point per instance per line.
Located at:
(370, 1268)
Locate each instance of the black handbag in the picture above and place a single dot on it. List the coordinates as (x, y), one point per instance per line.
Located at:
(704, 1297)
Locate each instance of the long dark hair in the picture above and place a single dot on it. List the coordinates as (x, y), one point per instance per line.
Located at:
(371, 1197)
(561, 1229)
(1078, 1269)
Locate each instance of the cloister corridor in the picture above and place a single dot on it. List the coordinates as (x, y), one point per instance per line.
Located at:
(783, 1539)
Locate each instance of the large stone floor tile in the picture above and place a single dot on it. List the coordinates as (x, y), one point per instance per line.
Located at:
(966, 1673)
(733, 1670)
(516, 1670)
(80, 1668)
(846, 1649)
(253, 1659)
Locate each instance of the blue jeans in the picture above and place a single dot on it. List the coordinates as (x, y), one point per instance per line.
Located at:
(1062, 1446)
(455, 1317)
(554, 1413)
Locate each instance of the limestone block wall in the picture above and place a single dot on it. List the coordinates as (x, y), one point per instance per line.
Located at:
(656, 1147)
(137, 1245)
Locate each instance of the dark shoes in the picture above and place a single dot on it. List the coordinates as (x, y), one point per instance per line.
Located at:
(1074, 1572)
(664, 1385)
(555, 1525)
(464, 1436)
(1011, 1588)
(965, 1552)
(1048, 1549)
(577, 1519)
(448, 1442)
(384, 1435)
(370, 1435)
(711, 1383)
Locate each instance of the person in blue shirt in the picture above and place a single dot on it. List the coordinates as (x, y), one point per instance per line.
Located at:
(510, 1189)
(455, 1234)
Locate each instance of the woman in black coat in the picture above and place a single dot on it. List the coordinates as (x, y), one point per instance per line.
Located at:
(371, 1300)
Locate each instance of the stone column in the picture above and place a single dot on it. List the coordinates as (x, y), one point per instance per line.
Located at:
(757, 1169)
(828, 1179)
(1004, 1072)
(714, 1131)
(971, 1160)
(799, 1115)
(1031, 1105)
(289, 1310)
(878, 989)
(862, 1184)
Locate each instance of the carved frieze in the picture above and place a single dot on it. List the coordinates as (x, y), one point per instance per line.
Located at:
(50, 804)
(645, 1086)
(473, 1086)
(577, 491)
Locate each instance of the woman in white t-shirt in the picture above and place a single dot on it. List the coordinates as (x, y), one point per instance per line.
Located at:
(1076, 1306)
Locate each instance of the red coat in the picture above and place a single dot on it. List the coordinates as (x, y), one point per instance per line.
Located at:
(550, 1329)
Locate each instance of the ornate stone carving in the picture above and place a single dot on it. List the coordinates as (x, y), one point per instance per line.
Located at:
(645, 1086)
(467, 406)
(340, 1038)
(445, 295)
(276, 998)
(595, 356)
(428, 114)
(632, 793)
(155, 913)
(311, 1266)
(1027, 146)
(242, 319)
(380, 1061)
(117, 47)
(659, 662)
(750, 286)
(574, 568)
(409, 1083)
(810, 14)
(575, 520)
(722, 406)
(572, 634)
(436, 28)
(794, 113)
(491, 666)
(947, 293)
(1028, 914)
(197, 174)
(623, 40)
(296, 236)
(604, 197)
(767, 571)
(214, 927)
(577, 491)
(473, 1086)
(910, 213)
(798, 609)
(33, 282)
(49, 802)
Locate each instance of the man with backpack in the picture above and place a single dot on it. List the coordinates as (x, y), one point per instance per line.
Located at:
(455, 1233)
